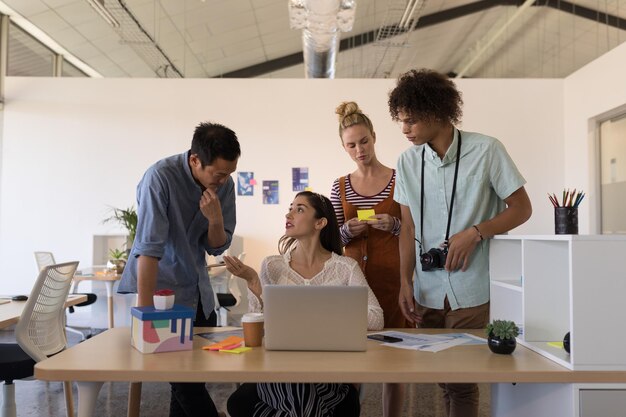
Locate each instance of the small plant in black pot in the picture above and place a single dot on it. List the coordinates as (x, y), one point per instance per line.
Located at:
(501, 336)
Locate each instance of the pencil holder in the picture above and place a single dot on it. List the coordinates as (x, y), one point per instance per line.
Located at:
(565, 220)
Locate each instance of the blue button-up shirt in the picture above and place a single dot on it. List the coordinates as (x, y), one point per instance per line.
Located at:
(487, 175)
(172, 228)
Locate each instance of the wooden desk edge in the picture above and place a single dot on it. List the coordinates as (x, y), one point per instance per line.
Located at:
(554, 373)
(112, 277)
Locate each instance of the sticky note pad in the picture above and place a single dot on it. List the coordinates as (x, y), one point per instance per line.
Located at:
(237, 350)
(229, 342)
(365, 214)
(556, 344)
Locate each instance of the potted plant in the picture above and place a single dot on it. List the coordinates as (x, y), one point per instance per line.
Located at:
(117, 260)
(501, 336)
(127, 218)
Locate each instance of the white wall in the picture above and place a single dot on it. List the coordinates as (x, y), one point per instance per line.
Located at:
(72, 147)
(592, 91)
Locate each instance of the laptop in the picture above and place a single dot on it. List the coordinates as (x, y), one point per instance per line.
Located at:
(315, 318)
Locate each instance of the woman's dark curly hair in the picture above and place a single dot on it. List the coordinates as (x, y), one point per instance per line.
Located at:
(426, 95)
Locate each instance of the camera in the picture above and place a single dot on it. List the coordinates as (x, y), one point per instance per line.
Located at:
(435, 258)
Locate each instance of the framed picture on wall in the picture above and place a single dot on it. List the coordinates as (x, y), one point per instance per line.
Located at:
(245, 183)
(270, 192)
(300, 178)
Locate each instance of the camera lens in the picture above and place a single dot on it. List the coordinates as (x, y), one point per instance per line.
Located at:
(433, 259)
(426, 259)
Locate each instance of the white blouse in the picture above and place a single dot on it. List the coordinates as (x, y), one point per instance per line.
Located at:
(338, 270)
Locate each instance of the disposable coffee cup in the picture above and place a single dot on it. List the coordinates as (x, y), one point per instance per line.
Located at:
(565, 220)
(252, 324)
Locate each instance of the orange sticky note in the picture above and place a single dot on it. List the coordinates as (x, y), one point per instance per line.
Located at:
(229, 347)
(230, 341)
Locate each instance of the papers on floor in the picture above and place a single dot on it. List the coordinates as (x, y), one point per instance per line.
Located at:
(432, 342)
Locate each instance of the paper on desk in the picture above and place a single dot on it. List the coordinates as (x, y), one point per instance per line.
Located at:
(220, 335)
(432, 342)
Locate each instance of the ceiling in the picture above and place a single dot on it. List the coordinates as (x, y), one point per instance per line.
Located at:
(252, 38)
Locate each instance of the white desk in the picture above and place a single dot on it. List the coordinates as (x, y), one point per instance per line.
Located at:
(10, 312)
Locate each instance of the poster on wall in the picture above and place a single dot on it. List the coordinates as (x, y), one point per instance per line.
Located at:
(270, 192)
(300, 178)
(245, 183)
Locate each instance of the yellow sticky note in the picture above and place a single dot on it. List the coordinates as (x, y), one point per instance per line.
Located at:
(365, 214)
(556, 344)
(236, 350)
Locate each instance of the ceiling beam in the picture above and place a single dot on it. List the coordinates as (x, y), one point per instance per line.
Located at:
(587, 13)
(443, 16)
(492, 36)
(363, 39)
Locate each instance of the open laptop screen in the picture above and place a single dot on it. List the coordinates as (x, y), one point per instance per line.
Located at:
(322, 318)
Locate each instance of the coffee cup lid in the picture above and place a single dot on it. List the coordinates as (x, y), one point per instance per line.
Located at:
(252, 317)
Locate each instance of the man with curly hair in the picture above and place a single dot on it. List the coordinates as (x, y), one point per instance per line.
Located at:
(456, 189)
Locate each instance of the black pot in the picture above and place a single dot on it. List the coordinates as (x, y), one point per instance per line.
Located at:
(566, 342)
(502, 346)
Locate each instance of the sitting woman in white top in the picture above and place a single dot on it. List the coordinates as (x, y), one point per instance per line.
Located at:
(310, 254)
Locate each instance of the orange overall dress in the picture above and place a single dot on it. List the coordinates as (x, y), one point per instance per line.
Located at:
(378, 255)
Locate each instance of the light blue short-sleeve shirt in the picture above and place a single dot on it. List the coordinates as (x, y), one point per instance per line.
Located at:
(487, 175)
(172, 228)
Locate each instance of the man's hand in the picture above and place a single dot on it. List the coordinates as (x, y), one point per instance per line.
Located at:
(210, 206)
(460, 249)
(407, 304)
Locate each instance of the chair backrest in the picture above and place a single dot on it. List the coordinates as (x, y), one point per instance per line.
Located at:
(44, 259)
(41, 328)
(238, 287)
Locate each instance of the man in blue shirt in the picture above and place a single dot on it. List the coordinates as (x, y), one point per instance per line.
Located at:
(460, 188)
(185, 209)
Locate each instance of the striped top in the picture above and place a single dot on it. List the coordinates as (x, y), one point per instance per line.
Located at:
(303, 399)
(359, 201)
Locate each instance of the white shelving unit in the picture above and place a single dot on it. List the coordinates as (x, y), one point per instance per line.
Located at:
(554, 284)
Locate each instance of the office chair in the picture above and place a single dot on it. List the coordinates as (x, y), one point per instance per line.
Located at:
(235, 297)
(39, 333)
(44, 259)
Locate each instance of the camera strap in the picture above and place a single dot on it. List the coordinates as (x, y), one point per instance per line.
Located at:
(456, 174)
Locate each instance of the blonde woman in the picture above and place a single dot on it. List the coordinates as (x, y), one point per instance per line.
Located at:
(372, 243)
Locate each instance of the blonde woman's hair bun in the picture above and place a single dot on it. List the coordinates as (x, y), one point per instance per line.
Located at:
(349, 114)
(347, 108)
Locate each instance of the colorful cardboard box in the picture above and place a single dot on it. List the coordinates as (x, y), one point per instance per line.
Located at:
(154, 331)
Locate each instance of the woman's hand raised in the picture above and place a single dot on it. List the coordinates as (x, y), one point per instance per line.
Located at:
(241, 270)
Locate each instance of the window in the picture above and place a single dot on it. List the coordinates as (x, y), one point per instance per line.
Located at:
(613, 174)
(28, 57)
